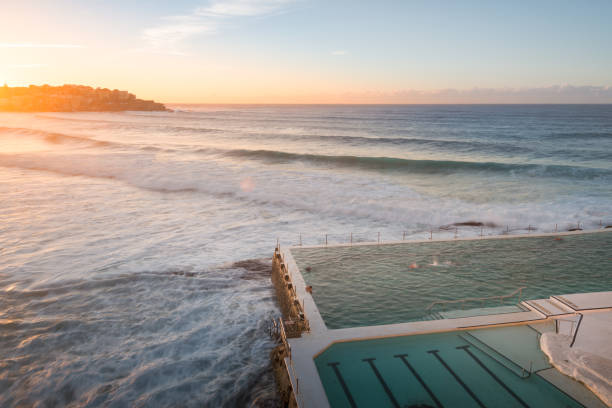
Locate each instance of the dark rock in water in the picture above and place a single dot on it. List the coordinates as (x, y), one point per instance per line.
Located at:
(608, 226)
(575, 229)
(255, 268)
(183, 273)
(475, 224)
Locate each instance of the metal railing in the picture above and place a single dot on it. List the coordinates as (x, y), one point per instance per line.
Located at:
(573, 331)
(283, 337)
(424, 231)
(501, 299)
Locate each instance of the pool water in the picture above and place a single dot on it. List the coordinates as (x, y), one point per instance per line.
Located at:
(440, 370)
(384, 284)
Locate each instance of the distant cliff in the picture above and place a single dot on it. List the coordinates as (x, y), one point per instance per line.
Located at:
(71, 98)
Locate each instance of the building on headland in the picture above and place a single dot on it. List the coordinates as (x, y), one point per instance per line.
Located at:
(71, 98)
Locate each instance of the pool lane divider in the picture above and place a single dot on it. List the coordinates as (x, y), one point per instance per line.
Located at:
(459, 380)
(403, 357)
(496, 378)
(382, 381)
(347, 392)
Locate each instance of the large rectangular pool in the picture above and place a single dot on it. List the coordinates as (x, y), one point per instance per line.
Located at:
(457, 369)
(394, 283)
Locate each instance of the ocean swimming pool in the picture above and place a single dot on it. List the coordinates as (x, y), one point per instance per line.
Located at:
(441, 370)
(393, 283)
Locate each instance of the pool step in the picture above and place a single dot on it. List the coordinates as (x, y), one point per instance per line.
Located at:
(548, 307)
(480, 311)
(434, 316)
(520, 344)
(495, 355)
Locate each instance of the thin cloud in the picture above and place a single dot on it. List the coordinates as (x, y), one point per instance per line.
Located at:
(241, 8)
(340, 52)
(25, 66)
(169, 35)
(550, 94)
(34, 45)
(167, 38)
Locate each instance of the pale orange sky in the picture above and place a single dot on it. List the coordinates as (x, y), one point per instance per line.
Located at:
(300, 51)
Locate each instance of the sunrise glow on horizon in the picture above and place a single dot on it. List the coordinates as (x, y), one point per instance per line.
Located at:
(299, 51)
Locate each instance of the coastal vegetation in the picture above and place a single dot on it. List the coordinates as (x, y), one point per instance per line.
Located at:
(71, 98)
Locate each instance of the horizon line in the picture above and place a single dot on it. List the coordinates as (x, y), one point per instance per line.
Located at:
(384, 104)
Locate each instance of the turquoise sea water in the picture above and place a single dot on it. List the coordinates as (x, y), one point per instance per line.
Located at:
(382, 284)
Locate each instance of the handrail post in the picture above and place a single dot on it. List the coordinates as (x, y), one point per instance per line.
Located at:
(379, 237)
(351, 238)
(577, 328)
(325, 239)
(530, 367)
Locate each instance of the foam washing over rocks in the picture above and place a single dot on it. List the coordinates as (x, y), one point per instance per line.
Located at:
(135, 247)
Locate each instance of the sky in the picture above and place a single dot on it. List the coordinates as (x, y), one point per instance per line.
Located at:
(315, 51)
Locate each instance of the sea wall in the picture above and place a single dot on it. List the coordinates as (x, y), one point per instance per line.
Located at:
(281, 375)
(294, 320)
(292, 324)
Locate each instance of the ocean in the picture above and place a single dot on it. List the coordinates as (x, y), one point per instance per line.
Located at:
(135, 247)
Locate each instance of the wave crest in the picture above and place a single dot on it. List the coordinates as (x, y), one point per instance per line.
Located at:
(421, 166)
(53, 137)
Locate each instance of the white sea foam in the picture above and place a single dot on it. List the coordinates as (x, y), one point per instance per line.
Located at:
(119, 230)
(586, 366)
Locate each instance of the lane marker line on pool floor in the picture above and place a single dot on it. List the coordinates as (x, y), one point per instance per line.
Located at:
(450, 370)
(403, 357)
(382, 381)
(347, 392)
(496, 378)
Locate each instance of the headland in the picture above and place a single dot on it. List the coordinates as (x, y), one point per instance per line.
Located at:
(71, 98)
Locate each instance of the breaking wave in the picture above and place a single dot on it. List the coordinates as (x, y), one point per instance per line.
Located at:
(53, 137)
(421, 166)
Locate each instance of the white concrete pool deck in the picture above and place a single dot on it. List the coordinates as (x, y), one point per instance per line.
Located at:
(309, 390)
